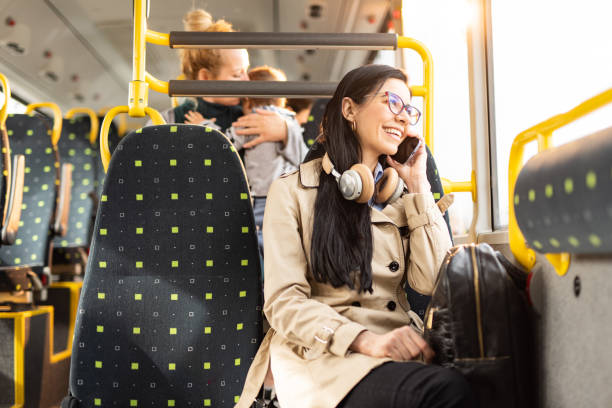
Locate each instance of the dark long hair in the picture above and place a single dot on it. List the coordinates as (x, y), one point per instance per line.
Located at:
(341, 250)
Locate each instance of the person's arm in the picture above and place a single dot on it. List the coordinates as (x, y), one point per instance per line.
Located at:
(429, 236)
(270, 126)
(401, 344)
(237, 140)
(196, 118)
(288, 304)
(294, 150)
(429, 240)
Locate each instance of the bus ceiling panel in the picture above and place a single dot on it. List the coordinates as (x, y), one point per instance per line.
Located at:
(289, 41)
(258, 89)
(84, 27)
(59, 65)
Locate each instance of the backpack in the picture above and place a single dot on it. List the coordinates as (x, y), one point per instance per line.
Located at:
(479, 322)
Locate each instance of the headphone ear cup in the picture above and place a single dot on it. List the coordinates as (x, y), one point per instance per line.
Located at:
(367, 182)
(386, 186)
(399, 190)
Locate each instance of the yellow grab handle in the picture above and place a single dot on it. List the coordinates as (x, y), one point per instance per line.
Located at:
(460, 186)
(158, 38)
(156, 84)
(95, 123)
(57, 118)
(155, 116)
(7, 96)
(426, 90)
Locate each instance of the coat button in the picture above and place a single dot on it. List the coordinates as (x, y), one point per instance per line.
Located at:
(391, 305)
(356, 304)
(394, 266)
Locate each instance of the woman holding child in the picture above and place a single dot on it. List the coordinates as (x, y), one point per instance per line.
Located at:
(342, 236)
(270, 135)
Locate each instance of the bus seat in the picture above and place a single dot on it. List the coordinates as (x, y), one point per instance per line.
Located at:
(70, 251)
(11, 190)
(113, 141)
(562, 197)
(563, 204)
(170, 312)
(29, 135)
(312, 125)
(418, 302)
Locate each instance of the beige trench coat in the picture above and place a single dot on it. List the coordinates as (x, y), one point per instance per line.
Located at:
(313, 324)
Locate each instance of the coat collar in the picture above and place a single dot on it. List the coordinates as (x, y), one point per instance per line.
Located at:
(310, 172)
(394, 214)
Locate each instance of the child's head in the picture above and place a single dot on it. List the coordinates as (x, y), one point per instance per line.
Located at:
(266, 73)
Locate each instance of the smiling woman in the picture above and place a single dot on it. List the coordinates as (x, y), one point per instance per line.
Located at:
(334, 340)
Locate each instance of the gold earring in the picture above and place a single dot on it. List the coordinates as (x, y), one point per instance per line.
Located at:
(354, 126)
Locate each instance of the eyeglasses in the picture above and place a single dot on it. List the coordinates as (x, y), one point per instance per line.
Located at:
(397, 105)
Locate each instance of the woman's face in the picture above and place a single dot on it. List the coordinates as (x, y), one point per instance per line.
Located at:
(234, 66)
(379, 130)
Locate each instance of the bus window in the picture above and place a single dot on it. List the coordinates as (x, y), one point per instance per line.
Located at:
(441, 25)
(14, 106)
(548, 56)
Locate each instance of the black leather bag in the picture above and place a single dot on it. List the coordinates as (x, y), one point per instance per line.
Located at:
(479, 322)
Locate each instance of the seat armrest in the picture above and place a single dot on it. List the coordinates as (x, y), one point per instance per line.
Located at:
(60, 225)
(14, 201)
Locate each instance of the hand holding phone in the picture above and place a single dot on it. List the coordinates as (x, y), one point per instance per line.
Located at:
(407, 149)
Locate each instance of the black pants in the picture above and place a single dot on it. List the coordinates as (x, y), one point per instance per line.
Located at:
(410, 385)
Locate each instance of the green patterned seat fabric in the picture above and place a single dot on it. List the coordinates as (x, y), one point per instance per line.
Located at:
(74, 148)
(313, 124)
(170, 312)
(30, 135)
(563, 197)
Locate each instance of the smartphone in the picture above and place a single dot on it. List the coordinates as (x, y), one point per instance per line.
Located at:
(407, 149)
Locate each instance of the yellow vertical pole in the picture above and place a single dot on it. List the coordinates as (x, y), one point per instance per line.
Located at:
(139, 89)
(405, 42)
(526, 256)
(544, 141)
(7, 97)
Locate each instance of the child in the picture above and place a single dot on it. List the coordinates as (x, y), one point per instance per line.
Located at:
(266, 161)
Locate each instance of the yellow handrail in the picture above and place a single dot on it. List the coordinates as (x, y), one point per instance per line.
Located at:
(142, 35)
(426, 90)
(156, 117)
(138, 98)
(95, 123)
(57, 118)
(542, 133)
(461, 186)
(7, 96)
(155, 37)
(122, 126)
(156, 84)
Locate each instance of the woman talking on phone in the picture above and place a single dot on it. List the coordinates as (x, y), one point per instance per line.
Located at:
(342, 236)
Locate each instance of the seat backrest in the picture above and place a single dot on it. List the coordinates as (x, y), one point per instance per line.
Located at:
(74, 148)
(562, 197)
(312, 125)
(170, 312)
(30, 135)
